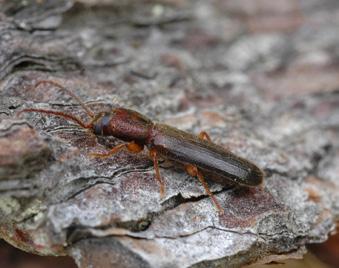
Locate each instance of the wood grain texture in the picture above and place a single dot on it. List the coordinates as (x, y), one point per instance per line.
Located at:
(261, 77)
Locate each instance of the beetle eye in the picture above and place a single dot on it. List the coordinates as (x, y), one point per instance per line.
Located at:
(105, 121)
(98, 128)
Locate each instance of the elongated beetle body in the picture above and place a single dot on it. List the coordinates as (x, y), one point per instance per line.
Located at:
(183, 147)
(197, 154)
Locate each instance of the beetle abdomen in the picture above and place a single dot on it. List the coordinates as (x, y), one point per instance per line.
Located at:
(183, 147)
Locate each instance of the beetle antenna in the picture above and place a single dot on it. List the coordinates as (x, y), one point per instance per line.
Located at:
(83, 105)
(57, 113)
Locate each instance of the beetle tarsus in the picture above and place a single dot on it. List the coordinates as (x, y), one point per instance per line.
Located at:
(154, 156)
(194, 172)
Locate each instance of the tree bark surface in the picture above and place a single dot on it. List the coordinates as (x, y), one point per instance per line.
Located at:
(261, 77)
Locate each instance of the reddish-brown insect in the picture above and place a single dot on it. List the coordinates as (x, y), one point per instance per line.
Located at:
(197, 154)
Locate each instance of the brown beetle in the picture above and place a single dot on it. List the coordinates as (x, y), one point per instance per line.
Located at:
(198, 154)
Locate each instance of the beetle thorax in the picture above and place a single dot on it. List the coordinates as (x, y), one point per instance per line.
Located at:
(124, 124)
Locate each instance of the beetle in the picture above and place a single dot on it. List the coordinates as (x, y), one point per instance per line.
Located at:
(198, 154)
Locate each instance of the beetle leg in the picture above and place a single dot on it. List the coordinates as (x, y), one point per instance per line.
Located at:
(204, 136)
(131, 147)
(154, 155)
(134, 147)
(111, 152)
(194, 172)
